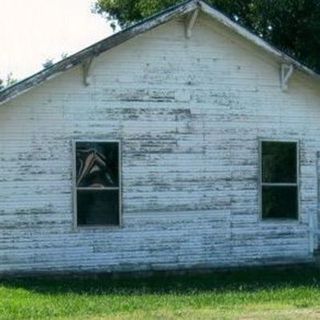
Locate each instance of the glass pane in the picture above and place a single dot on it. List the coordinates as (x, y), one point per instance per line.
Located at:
(280, 202)
(97, 164)
(279, 162)
(98, 207)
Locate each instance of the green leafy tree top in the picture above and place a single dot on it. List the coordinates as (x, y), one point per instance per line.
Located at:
(10, 80)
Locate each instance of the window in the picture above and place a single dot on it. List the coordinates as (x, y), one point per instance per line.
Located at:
(279, 180)
(97, 174)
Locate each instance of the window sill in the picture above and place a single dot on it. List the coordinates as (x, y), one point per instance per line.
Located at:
(280, 221)
(94, 228)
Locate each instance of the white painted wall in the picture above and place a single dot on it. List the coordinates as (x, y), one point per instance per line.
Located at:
(189, 113)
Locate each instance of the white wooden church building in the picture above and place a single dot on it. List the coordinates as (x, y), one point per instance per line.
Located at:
(184, 141)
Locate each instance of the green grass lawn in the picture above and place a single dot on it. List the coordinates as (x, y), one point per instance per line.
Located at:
(292, 293)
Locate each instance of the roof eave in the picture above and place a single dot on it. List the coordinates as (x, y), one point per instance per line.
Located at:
(139, 28)
(96, 49)
(281, 56)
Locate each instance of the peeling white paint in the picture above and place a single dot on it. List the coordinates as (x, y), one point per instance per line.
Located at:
(189, 113)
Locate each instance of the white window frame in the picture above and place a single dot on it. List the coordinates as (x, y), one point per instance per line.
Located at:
(75, 188)
(279, 184)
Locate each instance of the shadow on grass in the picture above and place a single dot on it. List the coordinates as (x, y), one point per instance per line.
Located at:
(249, 280)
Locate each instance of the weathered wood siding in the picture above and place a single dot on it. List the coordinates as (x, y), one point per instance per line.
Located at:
(189, 113)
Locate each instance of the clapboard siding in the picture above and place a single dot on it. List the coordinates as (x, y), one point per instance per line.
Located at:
(189, 114)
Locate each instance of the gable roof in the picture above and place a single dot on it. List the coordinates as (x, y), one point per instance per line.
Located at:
(181, 9)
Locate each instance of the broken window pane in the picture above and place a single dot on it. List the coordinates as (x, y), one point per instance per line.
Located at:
(97, 164)
(279, 202)
(98, 207)
(279, 162)
(97, 183)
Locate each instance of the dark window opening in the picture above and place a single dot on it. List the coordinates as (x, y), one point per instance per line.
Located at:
(279, 185)
(97, 183)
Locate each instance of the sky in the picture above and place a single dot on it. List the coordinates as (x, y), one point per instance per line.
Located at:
(33, 31)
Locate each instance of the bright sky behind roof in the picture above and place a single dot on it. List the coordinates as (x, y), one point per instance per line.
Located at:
(33, 31)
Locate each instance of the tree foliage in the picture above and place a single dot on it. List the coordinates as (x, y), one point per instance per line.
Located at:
(48, 63)
(291, 25)
(9, 81)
